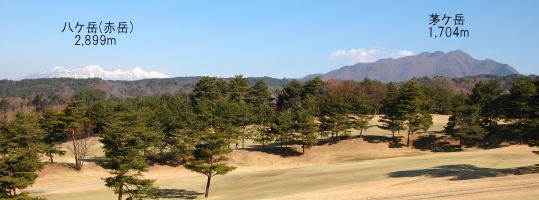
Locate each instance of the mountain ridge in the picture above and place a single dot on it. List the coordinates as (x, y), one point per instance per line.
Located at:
(452, 64)
(95, 71)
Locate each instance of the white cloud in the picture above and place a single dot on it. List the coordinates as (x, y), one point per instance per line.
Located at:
(358, 55)
(369, 55)
(400, 54)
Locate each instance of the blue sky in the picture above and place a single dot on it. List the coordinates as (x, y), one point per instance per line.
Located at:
(259, 38)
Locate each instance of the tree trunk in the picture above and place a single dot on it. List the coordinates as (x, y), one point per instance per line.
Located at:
(408, 140)
(50, 157)
(460, 142)
(207, 186)
(14, 189)
(302, 148)
(120, 191)
(75, 151)
(243, 138)
(360, 132)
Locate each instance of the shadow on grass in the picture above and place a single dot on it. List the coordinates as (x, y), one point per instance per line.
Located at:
(333, 140)
(392, 142)
(434, 143)
(464, 172)
(280, 151)
(376, 138)
(178, 194)
(84, 161)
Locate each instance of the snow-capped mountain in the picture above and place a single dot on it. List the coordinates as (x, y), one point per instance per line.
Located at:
(94, 71)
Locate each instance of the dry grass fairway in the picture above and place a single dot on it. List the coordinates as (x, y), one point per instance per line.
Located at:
(351, 169)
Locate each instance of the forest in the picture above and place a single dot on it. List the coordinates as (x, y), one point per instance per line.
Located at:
(196, 126)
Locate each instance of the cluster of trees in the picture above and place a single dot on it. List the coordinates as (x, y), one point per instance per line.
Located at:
(489, 114)
(20, 147)
(407, 109)
(198, 129)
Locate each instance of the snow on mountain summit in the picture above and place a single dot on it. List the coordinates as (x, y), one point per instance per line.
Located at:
(95, 71)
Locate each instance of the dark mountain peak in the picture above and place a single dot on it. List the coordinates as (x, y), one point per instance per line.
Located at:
(456, 63)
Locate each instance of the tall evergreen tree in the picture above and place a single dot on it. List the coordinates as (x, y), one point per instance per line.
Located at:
(124, 144)
(533, 125)
(258, 94)
(78, 127)
(334, 115)
(393, 119)
(484, 95)
(519, 106)
(237, 89)
(99, 113)
(209, 158)
(259, 112)
(290, 97)
(412, 106)
(282, 128)
(21, 140)
(304, 125)
(312, 95)
(51, 122)
(465, 124)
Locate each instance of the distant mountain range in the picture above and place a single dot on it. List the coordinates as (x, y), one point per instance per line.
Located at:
(94, 71)
(452, 64)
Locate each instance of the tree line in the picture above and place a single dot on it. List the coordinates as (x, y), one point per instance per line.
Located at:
(199, 128)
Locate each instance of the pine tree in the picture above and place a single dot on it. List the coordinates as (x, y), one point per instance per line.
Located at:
(21, 140)
(237, 89)
(259, 112)
(51, 122)
(393, 119)
(533, 125)
(411, 105)
(465, 124)
(99, 114)
(282, 128)
(304, 125)
(361, 122)
(519, 105)
(312, 94)
(334, 115)
(290, 97)
(209, 157)
(124, 144)
(23, 132)
(258, 94)
(17, 171)
(485, 95)
(180, 132)
(78, 127)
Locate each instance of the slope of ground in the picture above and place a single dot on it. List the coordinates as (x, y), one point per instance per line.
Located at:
(351, 169)
(473, 174)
